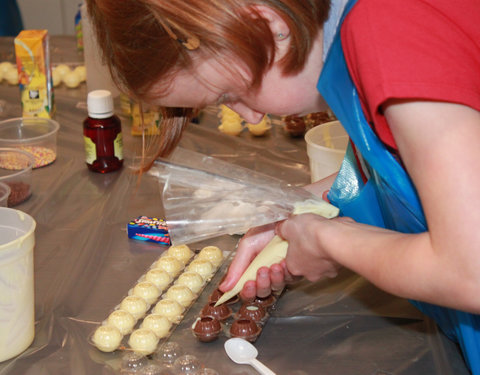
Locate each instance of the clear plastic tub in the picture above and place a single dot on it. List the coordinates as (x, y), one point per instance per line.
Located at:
(35, 135)
(4, 194)
(326, 146)
(16, 171)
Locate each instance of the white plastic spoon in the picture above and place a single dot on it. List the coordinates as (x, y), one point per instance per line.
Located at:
(242, 352)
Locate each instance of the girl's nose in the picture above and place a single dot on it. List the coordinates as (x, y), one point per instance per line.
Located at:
(248, 114)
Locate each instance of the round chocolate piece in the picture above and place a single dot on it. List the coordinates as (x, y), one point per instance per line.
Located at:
(246, 329)
(221, 312)
(265, 301)
(206, 328)
(217, 293)
(252, 311)
(295, 126)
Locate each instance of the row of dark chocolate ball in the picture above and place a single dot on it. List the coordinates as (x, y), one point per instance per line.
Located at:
(247, 322)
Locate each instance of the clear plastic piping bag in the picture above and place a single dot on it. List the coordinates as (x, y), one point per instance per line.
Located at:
(204, 197)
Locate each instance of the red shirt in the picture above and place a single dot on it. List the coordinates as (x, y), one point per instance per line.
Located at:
(413, 49)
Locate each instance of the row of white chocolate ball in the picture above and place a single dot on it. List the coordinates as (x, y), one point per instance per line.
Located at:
(168, 310)
(60, 73)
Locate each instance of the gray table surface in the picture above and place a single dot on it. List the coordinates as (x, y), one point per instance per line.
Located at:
(85, 264)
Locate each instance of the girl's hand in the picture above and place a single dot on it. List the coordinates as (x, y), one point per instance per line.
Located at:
(307, 253)
(267, 279)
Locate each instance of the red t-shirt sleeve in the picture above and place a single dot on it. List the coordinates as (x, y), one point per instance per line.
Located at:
(413, 49)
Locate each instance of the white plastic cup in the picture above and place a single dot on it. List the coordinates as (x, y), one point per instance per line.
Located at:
(326, 146)
(17, 305)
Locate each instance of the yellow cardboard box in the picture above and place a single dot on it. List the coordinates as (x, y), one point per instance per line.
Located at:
(34, 73)
(151, 120)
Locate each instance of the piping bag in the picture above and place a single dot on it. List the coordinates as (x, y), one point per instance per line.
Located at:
(205, 197)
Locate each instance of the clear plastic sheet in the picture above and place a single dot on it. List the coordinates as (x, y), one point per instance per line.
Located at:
(84, 263)
(205, 197)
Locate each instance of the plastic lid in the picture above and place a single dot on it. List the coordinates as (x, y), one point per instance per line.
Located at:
(100, 104)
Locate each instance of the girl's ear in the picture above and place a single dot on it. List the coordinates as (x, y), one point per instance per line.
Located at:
(279, 28)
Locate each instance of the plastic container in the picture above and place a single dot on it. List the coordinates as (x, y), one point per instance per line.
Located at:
(102, 132)
(4, 194)
(16, 171)
(35, 135)
(326, 146)
(17, 310)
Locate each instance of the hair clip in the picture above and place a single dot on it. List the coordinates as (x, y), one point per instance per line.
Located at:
(191, 43)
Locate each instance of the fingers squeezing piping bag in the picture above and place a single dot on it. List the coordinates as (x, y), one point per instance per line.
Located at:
(276, 249)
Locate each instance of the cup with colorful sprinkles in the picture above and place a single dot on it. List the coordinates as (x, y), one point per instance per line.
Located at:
(36, 135)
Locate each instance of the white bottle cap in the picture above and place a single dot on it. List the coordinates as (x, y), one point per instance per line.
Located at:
(100, 104)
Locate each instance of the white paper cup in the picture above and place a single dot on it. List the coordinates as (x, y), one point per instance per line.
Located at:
(326, 145)
(17, 305)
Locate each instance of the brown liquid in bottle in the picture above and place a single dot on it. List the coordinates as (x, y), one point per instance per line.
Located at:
(102, 132)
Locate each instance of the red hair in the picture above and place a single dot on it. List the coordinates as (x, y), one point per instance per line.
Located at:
(144, 42)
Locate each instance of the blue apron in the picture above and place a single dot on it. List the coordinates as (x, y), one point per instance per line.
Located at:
(373, 188)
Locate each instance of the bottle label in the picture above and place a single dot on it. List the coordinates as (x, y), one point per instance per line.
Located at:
(90, 150)
(118, 146)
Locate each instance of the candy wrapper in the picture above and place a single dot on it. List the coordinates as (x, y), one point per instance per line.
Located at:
(205, 197)
(150, 229)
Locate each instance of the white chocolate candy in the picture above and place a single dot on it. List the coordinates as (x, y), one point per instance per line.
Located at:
(192, 280)
(211, 253)
(159, 277)
(181, 293)
(230, 122)
(143, 341)
(170, 264)
(56, 78)
(170, 309)
(107, 338)
(146, 290)
(158, 324)
(5, 66)
(122, 320)
(81, 72)
(135, 305)
(11, 76)
(203, 267)
(181, 252)
(261, 128)
(71, 80)
(62, 70)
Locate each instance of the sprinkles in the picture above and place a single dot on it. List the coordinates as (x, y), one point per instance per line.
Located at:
(43, 155)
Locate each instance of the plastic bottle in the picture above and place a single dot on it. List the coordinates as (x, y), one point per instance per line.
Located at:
(102, 132)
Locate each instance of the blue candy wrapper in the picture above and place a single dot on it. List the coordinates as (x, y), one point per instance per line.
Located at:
(150, 229)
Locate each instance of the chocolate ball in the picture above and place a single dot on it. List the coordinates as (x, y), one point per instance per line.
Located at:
(252, 311)
(294, 126)
(246, 329)
(266, 302)
(221, 312)
(206, 328)
(217, 293)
